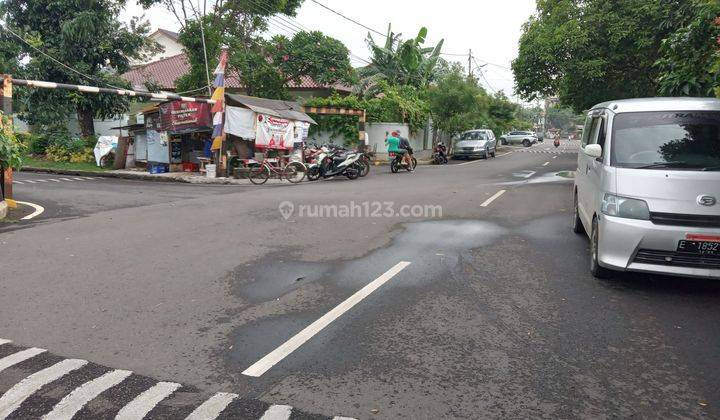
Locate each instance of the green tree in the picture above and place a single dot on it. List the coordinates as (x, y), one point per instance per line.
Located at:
(264, 67)
(457, 102)
(86, 36)
(690, 58)
(399, 62)
(562, 118)
(595, 50)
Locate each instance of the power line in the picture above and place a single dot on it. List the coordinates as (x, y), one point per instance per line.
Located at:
(86, 76)
(349, 19)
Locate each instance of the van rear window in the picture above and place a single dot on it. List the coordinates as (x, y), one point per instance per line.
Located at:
(658, 140)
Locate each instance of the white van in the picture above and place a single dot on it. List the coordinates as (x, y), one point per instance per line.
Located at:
(647, 186)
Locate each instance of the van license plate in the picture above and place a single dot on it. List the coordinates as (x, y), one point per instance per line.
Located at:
(699, 247)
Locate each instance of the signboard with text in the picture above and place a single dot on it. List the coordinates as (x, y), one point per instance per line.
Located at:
(274, 133)
(180, 116)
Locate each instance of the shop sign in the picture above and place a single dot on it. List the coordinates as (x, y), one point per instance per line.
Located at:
(180, 115)
(274, 133)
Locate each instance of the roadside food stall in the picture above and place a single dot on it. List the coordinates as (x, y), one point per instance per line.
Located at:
(259, 128)
(186, 128)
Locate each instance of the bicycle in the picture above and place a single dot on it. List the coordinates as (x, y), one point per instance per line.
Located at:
(294, 172)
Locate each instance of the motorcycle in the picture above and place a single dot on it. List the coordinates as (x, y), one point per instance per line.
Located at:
(556, 143)
(439, 155)
(329, 163)
(397, 163)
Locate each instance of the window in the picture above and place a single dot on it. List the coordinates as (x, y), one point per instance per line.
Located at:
(688, 140)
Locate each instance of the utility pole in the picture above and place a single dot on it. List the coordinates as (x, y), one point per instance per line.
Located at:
(470, 63)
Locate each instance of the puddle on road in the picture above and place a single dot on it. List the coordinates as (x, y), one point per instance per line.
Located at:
(429, 245)
(543, 179)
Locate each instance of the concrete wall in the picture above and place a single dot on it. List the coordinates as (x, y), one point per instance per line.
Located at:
(102, 127)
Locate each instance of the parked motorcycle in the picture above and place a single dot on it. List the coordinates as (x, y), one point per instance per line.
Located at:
(332, 162)
(397, 163)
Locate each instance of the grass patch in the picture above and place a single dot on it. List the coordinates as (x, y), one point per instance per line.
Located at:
(35, 162)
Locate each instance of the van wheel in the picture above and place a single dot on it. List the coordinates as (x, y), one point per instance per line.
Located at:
(595, 269)
(577, 225)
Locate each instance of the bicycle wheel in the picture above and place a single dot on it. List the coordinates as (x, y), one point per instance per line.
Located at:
(295, 172)
(259, 174)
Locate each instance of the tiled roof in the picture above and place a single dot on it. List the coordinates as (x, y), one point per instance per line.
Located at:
(164, 72)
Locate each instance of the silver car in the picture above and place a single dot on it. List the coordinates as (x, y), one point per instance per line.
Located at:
(526, 138)
(475, 144)
(647, 186)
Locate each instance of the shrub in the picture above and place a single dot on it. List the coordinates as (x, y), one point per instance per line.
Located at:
(84, 156)
(11, 150)
(58, 153)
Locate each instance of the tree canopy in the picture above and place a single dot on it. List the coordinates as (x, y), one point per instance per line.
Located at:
(592, 51)
(82, 34)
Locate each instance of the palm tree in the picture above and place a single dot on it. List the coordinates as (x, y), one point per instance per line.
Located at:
(399, 62)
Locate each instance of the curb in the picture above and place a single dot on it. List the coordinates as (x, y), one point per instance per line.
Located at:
(104, 174)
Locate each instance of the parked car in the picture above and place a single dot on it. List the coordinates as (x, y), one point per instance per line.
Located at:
(647, 187)
(474, 144)
(526, 138)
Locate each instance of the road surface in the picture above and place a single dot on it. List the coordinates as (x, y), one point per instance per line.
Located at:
(455, 291)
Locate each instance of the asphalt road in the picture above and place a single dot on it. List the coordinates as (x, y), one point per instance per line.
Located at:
(472, 303)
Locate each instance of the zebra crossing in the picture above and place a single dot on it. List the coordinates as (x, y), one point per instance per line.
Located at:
(57, 180)
(37, 384)
(557, 151)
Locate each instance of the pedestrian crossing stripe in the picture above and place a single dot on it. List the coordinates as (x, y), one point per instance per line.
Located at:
(16, 398)
(78, 178)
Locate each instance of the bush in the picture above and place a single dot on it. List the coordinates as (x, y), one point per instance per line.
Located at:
(11, 150)
(85, 156)
(58, 153)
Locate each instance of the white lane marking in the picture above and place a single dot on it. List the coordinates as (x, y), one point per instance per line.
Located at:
(18, 357)
(554, 157)
(264, 364)
(76, 400)
(4, 341)
(87, 177)
(67, 179)
(504, 154)
(42, 180)
(138, 408)
(38, 210)
(343, 418)
(493, 198)
(277, 412)
(212, 407)
(79, 179)
(54, 180)
(468, 163)
(11, 400)
(31, 181)
(17, 182)
(546, 164)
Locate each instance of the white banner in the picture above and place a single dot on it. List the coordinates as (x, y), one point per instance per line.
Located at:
(274, 133)
(240, 122)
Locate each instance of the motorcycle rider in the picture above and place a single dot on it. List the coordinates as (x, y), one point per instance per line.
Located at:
(441, 150)
(407, 157)
(393, 143)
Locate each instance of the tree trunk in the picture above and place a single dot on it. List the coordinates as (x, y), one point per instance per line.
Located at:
(85, 119)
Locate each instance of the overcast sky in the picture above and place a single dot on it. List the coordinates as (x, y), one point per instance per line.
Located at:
(491, 28)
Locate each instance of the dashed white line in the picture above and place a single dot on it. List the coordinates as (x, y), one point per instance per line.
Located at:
(67, 179)
(145, 402)
(87, 177)
(42, 180)
(18, 357)
(80, 179)
(31, 181)
(493, 198)
(212, 407)
(4, 341)
(55, 180)
(554, 157)
(11, 400)
(277, 412)
(267, 362)
(76, 400)
(18, 182)
(546, 164)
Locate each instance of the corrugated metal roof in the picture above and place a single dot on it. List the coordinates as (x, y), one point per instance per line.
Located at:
(283, 109)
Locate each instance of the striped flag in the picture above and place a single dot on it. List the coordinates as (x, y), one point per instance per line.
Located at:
(219, 97)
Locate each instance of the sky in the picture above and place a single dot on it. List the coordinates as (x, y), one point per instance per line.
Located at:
(490, 28)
